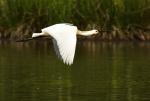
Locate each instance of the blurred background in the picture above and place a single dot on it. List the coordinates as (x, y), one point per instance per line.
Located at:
(111, 66)
(129, 18)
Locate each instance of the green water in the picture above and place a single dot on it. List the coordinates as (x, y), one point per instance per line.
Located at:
(102, 71)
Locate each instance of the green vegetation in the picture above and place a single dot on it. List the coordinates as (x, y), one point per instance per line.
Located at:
(22, 17)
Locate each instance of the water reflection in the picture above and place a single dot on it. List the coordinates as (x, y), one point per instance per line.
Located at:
(101, 71)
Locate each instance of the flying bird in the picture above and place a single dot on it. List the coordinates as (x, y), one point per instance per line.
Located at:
(64, 38)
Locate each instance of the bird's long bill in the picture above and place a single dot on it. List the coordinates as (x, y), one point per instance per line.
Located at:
(101, 31)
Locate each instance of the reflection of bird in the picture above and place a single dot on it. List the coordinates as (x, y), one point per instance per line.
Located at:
(64, 39)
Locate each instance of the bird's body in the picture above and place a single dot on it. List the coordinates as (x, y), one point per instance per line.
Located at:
(64, 39)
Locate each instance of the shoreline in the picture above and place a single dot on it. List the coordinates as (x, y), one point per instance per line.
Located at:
(134, 33)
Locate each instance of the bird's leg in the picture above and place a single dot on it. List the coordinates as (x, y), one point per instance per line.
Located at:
(23, 40)
(32, 38)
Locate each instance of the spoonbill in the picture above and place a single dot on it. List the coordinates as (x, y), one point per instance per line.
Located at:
(64, 39)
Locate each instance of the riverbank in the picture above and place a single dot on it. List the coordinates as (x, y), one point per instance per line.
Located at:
(131, 33)
(122, 19)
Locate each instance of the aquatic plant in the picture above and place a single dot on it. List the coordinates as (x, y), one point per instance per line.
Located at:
(36, 14)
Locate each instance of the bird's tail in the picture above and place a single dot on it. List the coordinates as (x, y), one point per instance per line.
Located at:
(36, 35)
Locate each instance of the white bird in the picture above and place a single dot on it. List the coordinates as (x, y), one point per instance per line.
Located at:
(64, 39)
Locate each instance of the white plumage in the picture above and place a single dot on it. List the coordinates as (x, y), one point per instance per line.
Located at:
(64, 39)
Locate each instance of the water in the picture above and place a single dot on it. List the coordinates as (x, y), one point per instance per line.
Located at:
(102, 71)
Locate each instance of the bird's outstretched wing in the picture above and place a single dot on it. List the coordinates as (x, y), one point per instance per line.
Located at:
(56, 48)
(64, 41)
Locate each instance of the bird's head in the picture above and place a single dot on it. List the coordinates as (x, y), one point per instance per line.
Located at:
(88, 33)
(94, 31)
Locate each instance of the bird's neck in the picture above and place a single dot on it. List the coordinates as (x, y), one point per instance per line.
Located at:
(84, 33)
